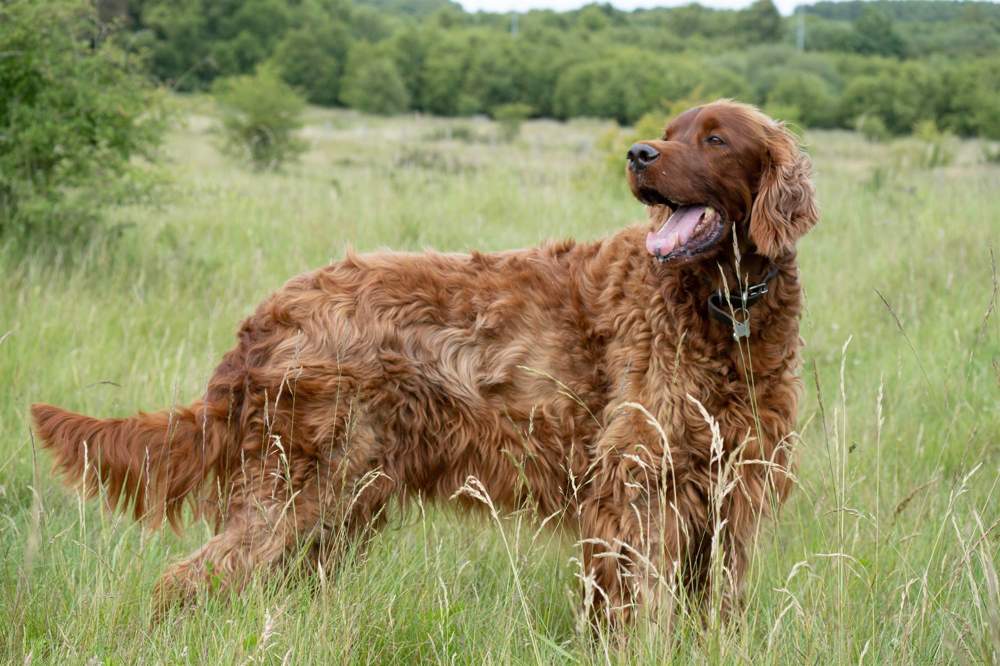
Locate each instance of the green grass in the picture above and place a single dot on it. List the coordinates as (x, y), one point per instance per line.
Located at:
(887, 552)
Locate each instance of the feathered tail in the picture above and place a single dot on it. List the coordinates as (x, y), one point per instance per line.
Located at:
(151, 462)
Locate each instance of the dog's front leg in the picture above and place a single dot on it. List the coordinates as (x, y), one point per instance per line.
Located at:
(633, 532)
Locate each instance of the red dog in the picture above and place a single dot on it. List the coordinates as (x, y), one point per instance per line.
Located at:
(643, 386)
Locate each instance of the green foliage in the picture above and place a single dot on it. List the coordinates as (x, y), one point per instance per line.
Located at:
(924, 11)
(75, 113)
(971, 104)
(411, 7)
(937, 149)
(371, 82)
(807, 94)
(631, 83)
(510, 117)
(260, 115)
(195, 41)
(312, 58)
(599, 61)
(761, 22)
(441, 77)
(872, 128)
(991, 153)
(901, 96)
(875, 34)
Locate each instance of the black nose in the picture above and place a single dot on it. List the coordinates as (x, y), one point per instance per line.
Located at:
(641, 155)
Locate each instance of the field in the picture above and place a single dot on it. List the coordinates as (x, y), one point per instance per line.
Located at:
(887, 552)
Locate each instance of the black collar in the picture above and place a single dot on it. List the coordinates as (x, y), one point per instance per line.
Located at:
(734, 308)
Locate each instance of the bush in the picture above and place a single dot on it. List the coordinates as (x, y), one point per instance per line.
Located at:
(872, 128)
(938, 147)
(74, 112)
(260, 115)
(510, 117)
(991, 153)
(460, 132)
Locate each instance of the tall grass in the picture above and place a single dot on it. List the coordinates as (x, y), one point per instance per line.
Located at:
(887, 551)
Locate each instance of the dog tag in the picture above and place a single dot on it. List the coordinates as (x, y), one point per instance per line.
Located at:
(741, 327)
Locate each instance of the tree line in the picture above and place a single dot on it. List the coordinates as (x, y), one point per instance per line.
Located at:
(82, 109)
(901, 63)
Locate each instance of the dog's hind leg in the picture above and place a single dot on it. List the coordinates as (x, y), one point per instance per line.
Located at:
(261, 530)
(272, 507)
(355, 489)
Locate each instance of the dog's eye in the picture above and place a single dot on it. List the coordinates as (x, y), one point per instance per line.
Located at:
(715, 140)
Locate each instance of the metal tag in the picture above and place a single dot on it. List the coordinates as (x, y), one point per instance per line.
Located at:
(741, 324)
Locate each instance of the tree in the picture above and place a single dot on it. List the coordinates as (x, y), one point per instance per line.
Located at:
(371, 82)
(809, 95)
(761, 22)
(312, 58)
(75, 112)
(900, 95)
(875, 34)
(970, 105)
(442, 84)
(194, 41)
(491, 70)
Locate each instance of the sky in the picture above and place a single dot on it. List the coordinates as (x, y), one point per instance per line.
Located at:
(785, 6)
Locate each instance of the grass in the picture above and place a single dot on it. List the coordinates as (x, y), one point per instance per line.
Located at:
(887, 552)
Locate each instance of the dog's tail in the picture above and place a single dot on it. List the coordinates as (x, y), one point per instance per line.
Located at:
(150, 462)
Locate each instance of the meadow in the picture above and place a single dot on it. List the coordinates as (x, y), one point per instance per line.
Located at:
(887, 552)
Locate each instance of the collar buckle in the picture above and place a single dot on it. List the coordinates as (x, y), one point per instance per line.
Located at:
(755, 292)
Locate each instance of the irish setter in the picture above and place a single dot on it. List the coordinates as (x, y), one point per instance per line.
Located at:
(641, 388)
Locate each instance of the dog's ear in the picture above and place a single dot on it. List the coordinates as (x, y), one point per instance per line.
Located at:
(785, 207)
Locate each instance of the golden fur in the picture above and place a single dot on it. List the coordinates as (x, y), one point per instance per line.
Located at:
(571, 378)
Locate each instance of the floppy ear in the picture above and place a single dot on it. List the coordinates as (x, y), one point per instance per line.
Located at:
(785, 207)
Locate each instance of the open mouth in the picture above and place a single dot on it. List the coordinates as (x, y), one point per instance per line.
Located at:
(690, 231)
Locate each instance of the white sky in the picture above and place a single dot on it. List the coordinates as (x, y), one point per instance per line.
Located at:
(785, 6)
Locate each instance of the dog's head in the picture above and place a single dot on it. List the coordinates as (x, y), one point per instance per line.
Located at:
(716, 167)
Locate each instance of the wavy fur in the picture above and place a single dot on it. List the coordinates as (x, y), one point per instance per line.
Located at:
(585, 381)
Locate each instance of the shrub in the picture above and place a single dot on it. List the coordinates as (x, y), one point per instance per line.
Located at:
(260, 115)
(459, 132)
(74, 112)
(938, 148)
(991, 153)
(872, 128)
(928, 148)
(510, 117)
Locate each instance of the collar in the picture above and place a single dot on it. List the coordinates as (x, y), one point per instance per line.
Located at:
(734, 309)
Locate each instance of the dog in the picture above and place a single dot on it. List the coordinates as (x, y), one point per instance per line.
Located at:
(643, 388)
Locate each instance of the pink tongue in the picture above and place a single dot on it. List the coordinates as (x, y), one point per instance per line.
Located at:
(675, 232)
